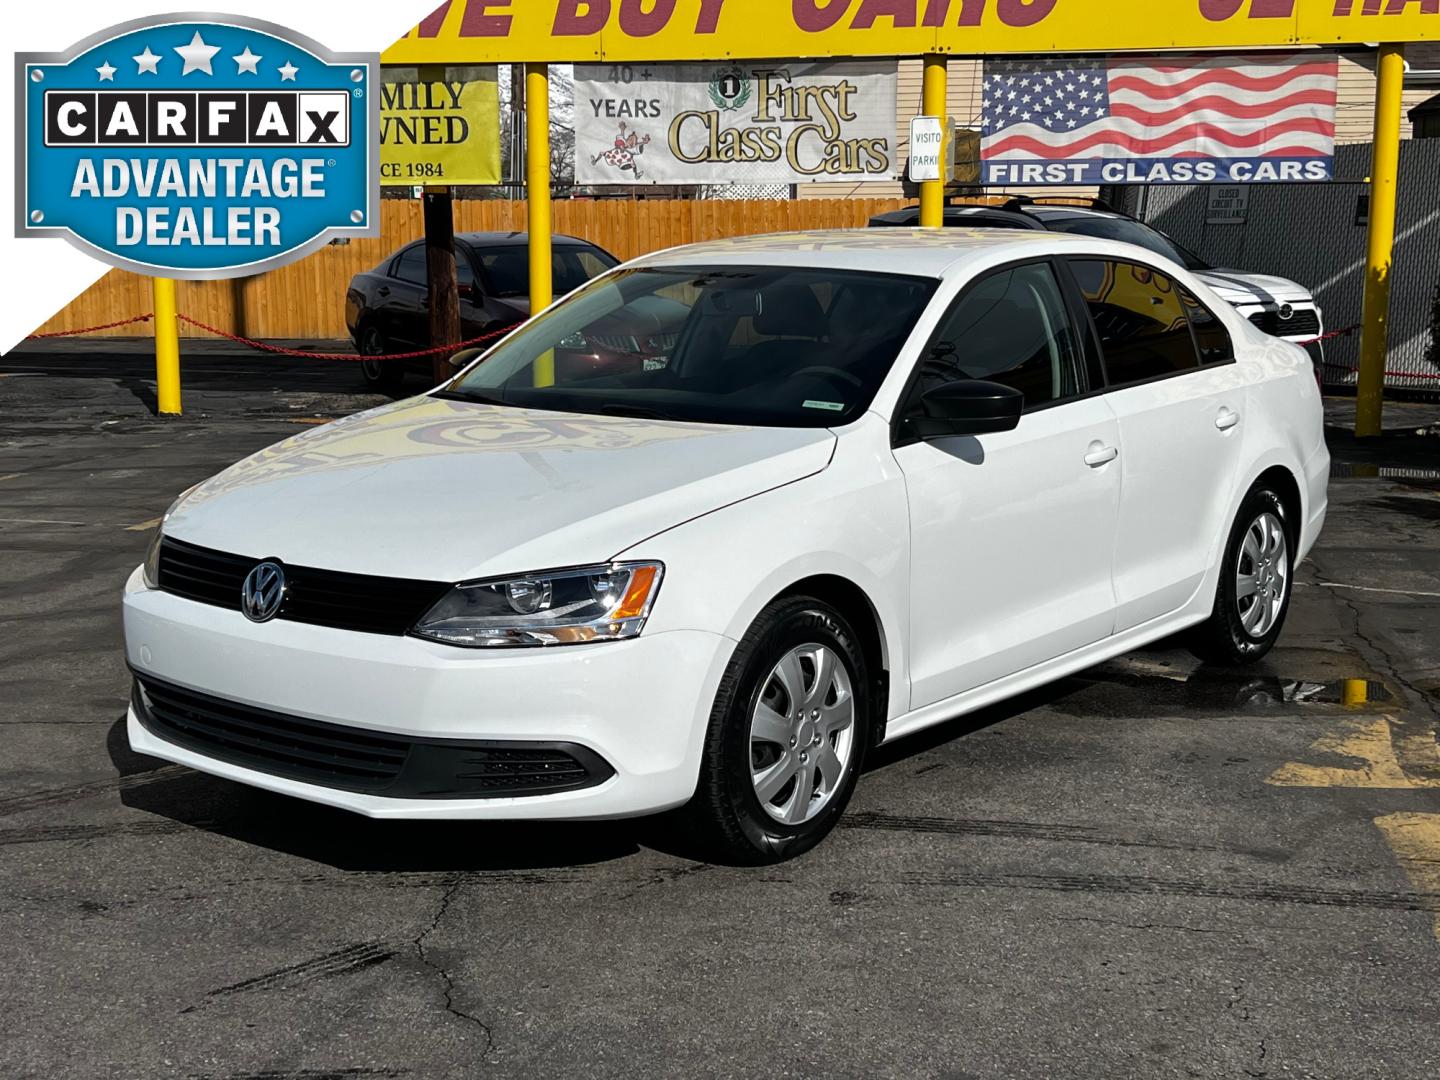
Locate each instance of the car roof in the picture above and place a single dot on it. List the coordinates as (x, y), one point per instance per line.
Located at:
(917, 252)
(516, 239)
(994, 216)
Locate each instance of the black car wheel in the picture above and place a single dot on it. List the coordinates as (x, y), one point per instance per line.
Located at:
(1256, 574)
(380, 375)
(787, 735)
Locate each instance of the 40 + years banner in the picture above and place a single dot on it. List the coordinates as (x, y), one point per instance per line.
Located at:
(775, 121)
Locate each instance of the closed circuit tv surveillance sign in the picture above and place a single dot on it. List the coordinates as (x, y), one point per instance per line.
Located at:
(198, 146)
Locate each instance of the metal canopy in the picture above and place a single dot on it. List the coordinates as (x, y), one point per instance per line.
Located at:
(638, 31)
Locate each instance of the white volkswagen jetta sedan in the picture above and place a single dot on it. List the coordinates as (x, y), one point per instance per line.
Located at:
(724, 519)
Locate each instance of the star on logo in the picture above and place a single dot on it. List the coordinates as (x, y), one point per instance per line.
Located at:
(247, 61)
(148, 61)
(287, 72)
(106, 72)
(197, 55)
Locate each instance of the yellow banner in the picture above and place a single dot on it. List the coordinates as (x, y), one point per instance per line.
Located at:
(439, 125)
(508, 31)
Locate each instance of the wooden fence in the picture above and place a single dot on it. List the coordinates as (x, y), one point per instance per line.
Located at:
(307, 299)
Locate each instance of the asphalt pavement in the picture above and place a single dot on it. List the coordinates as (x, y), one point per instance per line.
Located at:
(1154, 869)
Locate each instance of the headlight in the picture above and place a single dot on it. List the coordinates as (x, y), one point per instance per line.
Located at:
(150, 569)
(554, 607)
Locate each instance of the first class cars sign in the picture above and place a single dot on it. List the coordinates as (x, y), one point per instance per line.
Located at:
(197, 146)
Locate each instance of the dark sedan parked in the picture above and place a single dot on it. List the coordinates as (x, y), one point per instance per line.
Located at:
(388, 308)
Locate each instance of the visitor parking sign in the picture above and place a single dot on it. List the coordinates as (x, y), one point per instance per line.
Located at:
(198, 146)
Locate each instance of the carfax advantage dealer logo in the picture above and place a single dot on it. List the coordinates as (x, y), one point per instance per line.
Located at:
(197, 146)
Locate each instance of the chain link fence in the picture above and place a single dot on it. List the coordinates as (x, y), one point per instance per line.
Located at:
(1315, 234)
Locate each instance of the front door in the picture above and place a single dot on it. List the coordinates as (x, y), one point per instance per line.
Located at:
(1011, 533)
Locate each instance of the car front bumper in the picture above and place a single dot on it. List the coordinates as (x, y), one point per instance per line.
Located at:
(640, 705)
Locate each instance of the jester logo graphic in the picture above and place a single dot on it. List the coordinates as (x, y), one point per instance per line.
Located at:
(198, 146)
(263, 592)
(625, 154)
(730, 89)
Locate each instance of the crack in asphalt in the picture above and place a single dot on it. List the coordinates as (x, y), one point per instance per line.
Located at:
(1418, 698)
(446, 979)
(1141, 926)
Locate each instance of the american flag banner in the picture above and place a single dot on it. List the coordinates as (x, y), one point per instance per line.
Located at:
(1161, 119)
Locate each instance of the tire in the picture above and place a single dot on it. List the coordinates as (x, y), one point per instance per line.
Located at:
(1260, 550)
(800, 651)
(380, 376)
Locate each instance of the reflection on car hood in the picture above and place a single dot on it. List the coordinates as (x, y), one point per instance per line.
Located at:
(1243, 287)
(452, 490)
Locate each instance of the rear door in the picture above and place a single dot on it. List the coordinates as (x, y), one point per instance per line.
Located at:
(1180, 429)
(1012, 532)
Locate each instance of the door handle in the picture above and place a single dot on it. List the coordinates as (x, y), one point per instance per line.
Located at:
(384, 290)
(1100, 454)
(1227, 419)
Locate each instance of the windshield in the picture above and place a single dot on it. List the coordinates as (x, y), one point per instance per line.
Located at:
(773, 346)
(507, 269)
(1131, 232)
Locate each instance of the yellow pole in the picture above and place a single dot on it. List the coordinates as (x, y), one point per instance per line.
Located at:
(537, 193)
(1355, 691)
(167, 348)
(1384, 167)
(933, 103)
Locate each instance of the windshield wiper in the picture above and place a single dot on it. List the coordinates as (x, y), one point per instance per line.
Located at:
(473, 398)
(640, 412)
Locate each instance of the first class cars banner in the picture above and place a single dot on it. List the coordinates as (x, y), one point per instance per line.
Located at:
(770, 122)
(641, 31)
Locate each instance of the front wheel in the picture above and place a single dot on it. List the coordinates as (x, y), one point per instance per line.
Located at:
(1253, 596)
(787, 735)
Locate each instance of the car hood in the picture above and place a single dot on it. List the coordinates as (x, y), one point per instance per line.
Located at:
(447, 490)
(1243, 287)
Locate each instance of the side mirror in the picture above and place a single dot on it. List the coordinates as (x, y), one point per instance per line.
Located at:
(471, 293)
(464, 358)
(967, 407)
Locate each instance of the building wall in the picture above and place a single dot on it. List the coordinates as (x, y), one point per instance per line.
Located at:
(1355, 103)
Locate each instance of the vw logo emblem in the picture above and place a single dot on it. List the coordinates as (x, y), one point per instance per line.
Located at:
(1286, 312)
(263, 592)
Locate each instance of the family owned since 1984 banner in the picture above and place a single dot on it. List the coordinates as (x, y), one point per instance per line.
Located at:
(757, 122)
(1167, 119)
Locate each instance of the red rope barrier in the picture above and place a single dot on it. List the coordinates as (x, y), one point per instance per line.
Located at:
(282, 351)
(440, 349)
(1345, 332)
(91, 329)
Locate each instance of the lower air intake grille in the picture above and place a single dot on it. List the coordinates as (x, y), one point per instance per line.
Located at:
(357, 759)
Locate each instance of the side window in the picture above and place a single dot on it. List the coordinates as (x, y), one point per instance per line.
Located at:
(1211, 337)
(411, 265)
(592, 263)
(1012, 328)
(464, 271)
(1143, 330)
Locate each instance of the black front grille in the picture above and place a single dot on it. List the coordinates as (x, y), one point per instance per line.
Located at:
(1303, 321)
(364, 602)
(356, 759)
